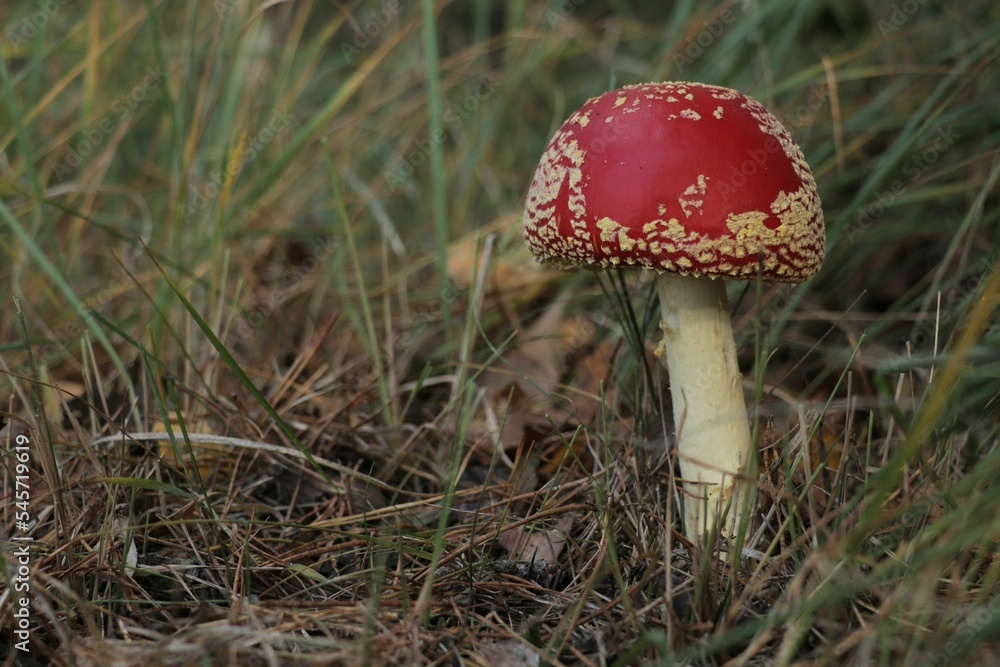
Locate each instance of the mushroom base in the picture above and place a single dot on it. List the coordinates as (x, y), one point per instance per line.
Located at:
(710, 414)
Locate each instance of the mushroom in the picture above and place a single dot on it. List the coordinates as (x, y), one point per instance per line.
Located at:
(698, 183)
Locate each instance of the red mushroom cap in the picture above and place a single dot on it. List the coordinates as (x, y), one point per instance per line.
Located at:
(682, 177)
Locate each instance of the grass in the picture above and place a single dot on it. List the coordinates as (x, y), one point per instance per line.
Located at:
(296, 394)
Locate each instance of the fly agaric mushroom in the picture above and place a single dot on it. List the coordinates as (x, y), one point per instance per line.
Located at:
(698, 183)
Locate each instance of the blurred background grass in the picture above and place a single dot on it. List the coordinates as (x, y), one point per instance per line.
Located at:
(276, 161)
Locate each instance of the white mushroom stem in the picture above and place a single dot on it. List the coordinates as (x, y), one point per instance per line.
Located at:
(710, 414)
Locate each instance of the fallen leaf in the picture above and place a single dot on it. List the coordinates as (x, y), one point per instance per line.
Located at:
(508, 653)
(518, 383)
(514, 273)
(211, 458)
(531, 544)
